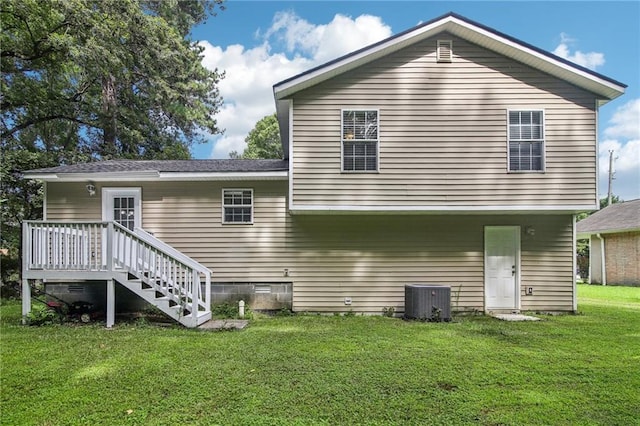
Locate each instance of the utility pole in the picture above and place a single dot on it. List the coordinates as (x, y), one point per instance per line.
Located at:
(610, 175)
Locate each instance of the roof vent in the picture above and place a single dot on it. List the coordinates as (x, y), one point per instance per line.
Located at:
(445, 51)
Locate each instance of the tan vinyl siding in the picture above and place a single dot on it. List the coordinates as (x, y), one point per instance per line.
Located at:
(547, 264)
(443, 133)
(188, 216)
(71, 202)
(369, 259)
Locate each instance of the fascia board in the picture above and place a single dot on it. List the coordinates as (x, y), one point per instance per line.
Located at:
(354, 60)
(586, 234)
(536, 59)
(275, 175)
(81, 177)
(484, 37)
(157, 176)
(467, 210)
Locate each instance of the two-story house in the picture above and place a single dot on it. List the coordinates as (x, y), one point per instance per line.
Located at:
(450, 154)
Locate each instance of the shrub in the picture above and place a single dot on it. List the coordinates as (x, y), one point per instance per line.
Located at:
(389, 311)
(41, 315)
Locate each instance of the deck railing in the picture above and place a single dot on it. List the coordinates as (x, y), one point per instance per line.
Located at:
(77, 246)
(109, 247)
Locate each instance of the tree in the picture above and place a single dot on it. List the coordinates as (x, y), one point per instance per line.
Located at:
(97, 79)
(121, 75)
(263, 140)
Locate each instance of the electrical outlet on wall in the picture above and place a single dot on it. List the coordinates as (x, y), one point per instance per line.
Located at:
(529, 291)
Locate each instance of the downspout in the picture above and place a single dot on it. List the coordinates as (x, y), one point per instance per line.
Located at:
(602, 264)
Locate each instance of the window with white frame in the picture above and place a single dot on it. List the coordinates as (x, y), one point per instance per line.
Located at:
(526, 141)
(359, 140)
(237, 206)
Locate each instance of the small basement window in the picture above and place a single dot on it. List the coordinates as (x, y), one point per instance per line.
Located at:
(445, 51)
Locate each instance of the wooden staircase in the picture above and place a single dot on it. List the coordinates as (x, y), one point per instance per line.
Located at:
(171, 281)
(166, 297)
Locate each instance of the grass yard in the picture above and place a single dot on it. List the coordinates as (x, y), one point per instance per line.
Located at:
(307, 370)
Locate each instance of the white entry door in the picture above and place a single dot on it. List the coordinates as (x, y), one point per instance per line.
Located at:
(122, 205)
(501, 267)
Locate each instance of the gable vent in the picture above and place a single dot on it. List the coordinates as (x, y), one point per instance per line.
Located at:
(445, 51)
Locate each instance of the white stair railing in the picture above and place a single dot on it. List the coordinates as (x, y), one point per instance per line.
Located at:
(109, 247)
(170, 272)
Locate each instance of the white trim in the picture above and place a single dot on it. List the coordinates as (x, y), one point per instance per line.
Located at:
(574, 301)
(222, 206)
(590, 256)
(107, 203)
(583, 235)
(597, 155)
(484, 209)
(539, 56)
(468, 32)
(44, 200)
(543, 140)
(603, 262)
(517, 278)
(377, 141)
(290, 130)
(156, 176)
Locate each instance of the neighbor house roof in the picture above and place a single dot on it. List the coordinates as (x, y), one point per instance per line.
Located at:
(603, 87)
(164, 170)
(619, 217)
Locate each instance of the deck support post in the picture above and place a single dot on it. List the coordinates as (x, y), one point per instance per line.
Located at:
(111, 303)
(26, 300)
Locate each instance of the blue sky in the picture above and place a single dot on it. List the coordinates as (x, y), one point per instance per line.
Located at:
(259, 43)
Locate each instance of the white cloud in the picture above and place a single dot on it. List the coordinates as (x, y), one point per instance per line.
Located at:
(590, 60)
(625, 121)
(625, 125)
(251, 73)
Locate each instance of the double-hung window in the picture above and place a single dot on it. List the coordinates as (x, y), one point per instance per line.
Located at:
(359, 140)
(526, 141)
(237, 206)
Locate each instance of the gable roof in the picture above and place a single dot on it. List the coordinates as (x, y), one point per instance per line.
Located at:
(619, 217)
(603, 87)
(226, 169)
(467, 29)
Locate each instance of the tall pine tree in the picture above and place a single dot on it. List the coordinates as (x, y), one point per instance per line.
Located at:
(97, 79)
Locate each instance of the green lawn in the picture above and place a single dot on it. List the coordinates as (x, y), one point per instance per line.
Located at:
(571, 369)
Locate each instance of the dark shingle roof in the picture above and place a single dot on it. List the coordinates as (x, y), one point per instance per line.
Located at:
(169, 166)
(619, 217)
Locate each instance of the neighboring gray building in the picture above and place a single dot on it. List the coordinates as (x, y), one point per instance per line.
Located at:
(614, 238)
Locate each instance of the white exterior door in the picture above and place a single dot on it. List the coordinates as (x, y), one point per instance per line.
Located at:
(501, 267)
(123, 206)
